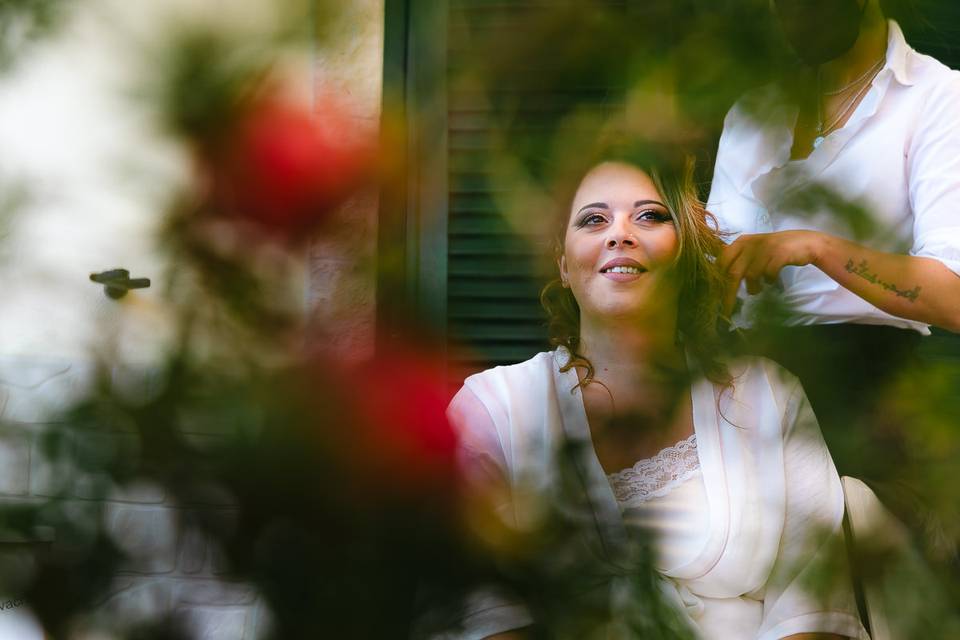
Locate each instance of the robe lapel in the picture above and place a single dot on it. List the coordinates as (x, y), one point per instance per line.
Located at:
(711, 453)
(742, 465)
(605, 511)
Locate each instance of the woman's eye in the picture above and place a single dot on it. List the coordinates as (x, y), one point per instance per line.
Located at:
(592, 219)
(653, 215)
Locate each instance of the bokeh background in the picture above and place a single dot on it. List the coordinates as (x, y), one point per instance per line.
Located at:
(344, 208)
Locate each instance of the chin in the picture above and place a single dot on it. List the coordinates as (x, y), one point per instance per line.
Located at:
(611, 310)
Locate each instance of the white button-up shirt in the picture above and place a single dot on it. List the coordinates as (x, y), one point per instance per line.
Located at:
(897, 160)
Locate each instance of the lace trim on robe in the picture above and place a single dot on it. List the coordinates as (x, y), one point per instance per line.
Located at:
(657, 476)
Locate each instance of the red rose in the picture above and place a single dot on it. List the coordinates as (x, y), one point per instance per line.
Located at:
(391, 425)
(286, 168)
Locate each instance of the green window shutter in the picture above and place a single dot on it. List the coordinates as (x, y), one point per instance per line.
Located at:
(493, 312)
(462, 271)
(495, 273)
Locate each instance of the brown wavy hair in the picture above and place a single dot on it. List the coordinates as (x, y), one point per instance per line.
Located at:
(701, 282)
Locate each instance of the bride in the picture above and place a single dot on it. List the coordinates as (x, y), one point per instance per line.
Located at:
(726, 472)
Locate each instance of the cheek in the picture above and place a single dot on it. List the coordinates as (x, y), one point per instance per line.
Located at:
(664, 247)
(580, 257)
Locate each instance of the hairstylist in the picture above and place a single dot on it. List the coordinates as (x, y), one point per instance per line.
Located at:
(875, 124)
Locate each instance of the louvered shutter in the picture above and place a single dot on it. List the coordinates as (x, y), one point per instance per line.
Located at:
(494, 272)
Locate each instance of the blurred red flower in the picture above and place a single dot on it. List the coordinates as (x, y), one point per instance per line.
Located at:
(285, 167)
(399, 438)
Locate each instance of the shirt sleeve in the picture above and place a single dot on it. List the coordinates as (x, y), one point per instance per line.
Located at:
(809, 589)
(744, 152)
(724, 201)
(489, 609)
(480, 454)
(734, 213)
(934, 176)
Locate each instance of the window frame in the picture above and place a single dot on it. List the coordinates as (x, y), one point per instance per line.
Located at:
(413, 212)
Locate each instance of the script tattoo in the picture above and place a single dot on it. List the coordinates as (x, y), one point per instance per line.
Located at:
(863, 271)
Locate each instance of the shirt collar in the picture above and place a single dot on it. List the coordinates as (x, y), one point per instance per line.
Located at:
(898, 54)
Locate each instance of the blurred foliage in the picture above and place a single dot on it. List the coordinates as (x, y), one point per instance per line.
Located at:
(208, 75)
(663, 71)
(346, 510)
(22, 21)
(14, 197)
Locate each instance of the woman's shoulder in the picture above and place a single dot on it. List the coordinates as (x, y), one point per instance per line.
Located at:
(757, 106)
(754, 376)
(750, 132)
(928, 73)
(519, 376)
(753, 366)
(503, 402)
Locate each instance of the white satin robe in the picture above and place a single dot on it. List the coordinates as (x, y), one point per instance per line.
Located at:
(775, 499)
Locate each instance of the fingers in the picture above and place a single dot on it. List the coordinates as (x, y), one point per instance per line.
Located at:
(729, 253)
(731, 261)
(763, 268)
(730, 297)
(752, 259)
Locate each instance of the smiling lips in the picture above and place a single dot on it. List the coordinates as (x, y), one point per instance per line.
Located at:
(622, 270)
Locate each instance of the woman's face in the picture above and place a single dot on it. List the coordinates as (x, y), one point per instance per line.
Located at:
(620, 242)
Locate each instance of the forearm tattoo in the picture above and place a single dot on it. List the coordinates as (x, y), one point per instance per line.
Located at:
(863, 270)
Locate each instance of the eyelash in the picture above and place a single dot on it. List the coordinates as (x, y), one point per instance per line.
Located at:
(585, 220)
(656, 216)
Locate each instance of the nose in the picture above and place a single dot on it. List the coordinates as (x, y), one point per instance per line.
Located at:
(620, 236)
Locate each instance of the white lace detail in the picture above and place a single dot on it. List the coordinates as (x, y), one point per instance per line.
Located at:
(656, 476)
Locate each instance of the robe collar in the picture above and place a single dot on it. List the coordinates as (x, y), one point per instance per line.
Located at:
(610, 527)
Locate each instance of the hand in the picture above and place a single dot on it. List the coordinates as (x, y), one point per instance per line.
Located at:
(759, 257)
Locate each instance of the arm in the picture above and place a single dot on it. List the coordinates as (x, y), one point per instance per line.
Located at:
(484, 467)
(911, 287)
(922, 286)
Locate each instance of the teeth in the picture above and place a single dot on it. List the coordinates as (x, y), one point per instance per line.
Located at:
(634, 270)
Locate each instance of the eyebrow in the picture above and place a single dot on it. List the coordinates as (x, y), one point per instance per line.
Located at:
(640, 203)
(604, 205)
(594, 205)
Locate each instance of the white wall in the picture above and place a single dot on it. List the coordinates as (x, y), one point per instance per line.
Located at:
(343, 260)
(98, 179)
(73, 140)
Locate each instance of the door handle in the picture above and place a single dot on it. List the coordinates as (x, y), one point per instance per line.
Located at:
(116, 282)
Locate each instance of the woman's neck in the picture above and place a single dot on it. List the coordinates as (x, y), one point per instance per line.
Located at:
(870, 47)
(630, 349)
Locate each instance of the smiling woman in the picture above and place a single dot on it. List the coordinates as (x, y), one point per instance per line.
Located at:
(616, 242)
(715, 468)
(622, 216)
